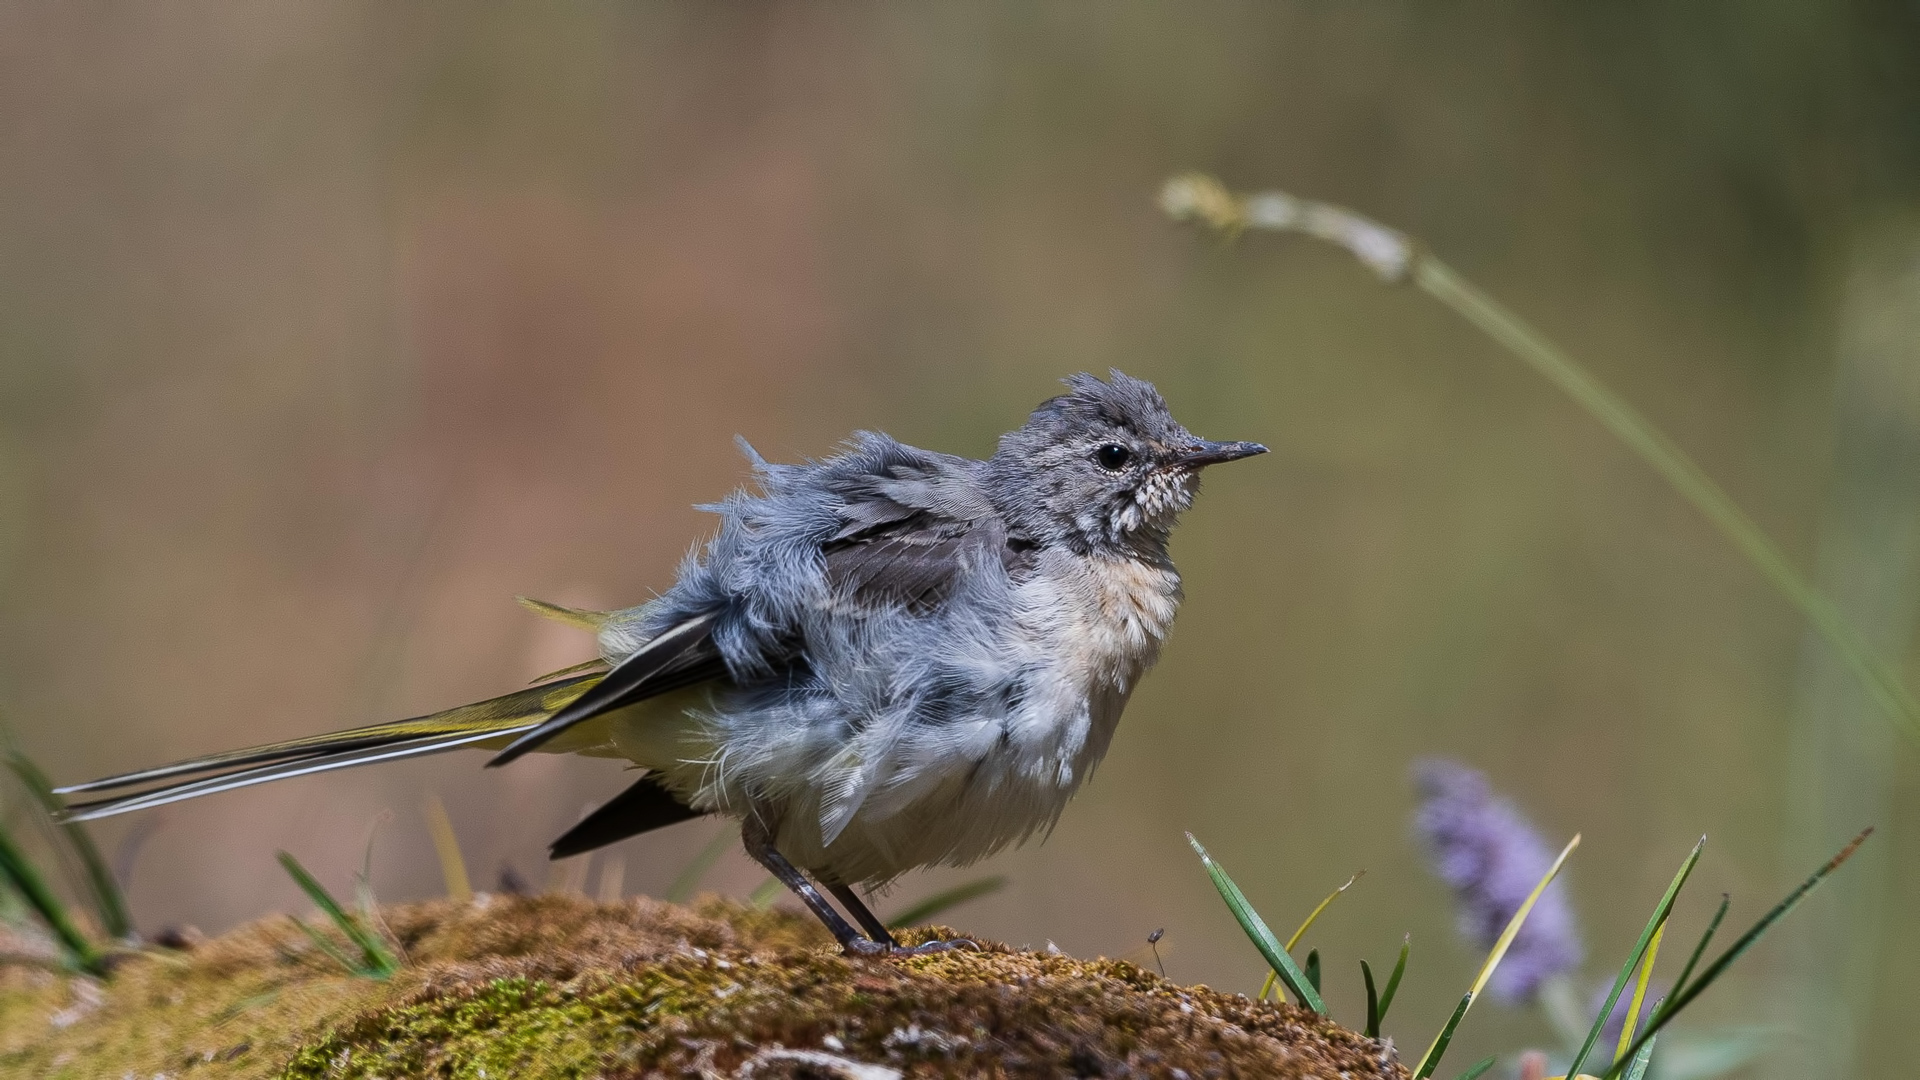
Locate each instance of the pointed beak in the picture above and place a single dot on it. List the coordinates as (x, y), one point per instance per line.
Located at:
(1213, 453)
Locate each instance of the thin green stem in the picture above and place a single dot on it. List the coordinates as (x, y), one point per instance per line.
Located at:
(17, 870)
(1396, 257)
(1628, 425)
(688, 879)
(108, 903)
(926, 909)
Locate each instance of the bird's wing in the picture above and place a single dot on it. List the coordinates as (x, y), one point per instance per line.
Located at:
(908, 533)
(679, 656)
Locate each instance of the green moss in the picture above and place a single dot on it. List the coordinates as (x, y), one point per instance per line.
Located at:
(508, 1027)
(553, 987)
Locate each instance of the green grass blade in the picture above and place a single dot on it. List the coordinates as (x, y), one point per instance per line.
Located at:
(333, 951)
(378, 961)
(1393, 980)
(765, 893)
(1639, 994)
(1682, 996)
(690, 875)
(18, 870)
(1313, 969)
(109, 904)
(1478, 1068)
(1431, 1060)
(947, 899)
(1373, 1002)
(1256, 930)
(1654, 923)
(1700, 949)
(1397, 257)
(1638, 1069)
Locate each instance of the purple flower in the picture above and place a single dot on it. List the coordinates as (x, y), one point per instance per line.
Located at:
(1492, 857)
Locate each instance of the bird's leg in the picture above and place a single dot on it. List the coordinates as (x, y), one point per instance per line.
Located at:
(862, 914)
(759, 844)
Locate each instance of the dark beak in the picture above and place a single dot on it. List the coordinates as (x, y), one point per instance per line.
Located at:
(1213, 453)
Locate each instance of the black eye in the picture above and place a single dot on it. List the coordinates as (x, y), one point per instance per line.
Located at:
(1112, 457)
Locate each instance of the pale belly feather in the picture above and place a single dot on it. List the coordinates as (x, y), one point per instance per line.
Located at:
(865, 802)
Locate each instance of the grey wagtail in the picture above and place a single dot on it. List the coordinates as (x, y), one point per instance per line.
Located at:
(885, 660)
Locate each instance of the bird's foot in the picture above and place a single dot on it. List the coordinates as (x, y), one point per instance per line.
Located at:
(928, 948)
(867, 947)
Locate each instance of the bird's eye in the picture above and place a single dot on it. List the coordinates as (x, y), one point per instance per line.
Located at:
(1112, 457)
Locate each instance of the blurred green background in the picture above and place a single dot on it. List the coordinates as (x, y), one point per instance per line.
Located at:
(326, 329)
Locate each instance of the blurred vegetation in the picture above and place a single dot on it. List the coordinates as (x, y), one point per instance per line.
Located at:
(325, 331)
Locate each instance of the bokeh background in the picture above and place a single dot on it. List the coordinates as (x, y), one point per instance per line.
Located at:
(327, 329)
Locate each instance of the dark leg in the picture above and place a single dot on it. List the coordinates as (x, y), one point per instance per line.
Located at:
(862, 914)
(759, 844)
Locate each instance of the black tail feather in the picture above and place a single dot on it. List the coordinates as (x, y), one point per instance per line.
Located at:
(675, 658)
(645, 806)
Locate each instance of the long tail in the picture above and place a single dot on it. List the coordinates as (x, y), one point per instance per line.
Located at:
(489, 724)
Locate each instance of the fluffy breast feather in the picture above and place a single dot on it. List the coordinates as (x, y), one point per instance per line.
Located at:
(912, 735)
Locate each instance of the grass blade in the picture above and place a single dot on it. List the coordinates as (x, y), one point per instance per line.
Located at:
(1257, 932)
(1654, 924)
(109, 905)
(689, 877)
(1373, 1002)
(1638, 1069)
(765, 893)
(1267, 987)
(353, 967)
(1396, 257)
(1639, 994)
(1700, 949)
(947, 899)
(1431, 1060)
(1478, 1068)
(1393, 980)
(453, 866)
(17, 870)
(1313, 969)
(363, 881)
(378, 961)
(1322, 906)
(1684, 995)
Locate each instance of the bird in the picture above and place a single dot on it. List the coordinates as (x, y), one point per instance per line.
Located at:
(885, 659)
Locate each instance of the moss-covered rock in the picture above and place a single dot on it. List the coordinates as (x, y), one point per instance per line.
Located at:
(558, 987)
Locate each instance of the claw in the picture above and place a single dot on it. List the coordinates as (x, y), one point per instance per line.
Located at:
(869, 947)
(927, 948)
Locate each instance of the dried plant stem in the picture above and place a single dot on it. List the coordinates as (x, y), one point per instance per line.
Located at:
(453, 867)
(1273, 977)
(1397, 258)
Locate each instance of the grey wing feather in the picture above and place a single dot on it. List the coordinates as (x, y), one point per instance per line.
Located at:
(910, 530)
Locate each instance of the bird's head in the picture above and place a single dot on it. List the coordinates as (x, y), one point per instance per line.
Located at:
(1103, 468)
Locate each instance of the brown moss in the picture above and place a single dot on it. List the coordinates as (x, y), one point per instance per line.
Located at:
(559, 987)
